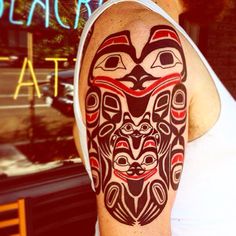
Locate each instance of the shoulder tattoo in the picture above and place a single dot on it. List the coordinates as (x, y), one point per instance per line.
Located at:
(136, 118)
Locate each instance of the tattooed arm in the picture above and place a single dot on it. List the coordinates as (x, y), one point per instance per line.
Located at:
(135, 104)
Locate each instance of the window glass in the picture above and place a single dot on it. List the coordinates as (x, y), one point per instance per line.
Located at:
(37, 41)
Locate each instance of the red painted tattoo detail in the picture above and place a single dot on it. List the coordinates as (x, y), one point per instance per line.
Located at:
(119, 87)
(164, 34)
(117, 40)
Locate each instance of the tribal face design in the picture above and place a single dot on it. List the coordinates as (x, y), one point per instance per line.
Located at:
(135, 149)
(136, 117)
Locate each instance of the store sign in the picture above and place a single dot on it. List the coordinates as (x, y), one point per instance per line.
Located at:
(33, 82)
(47, 7)
(44, 4)
(1, 7)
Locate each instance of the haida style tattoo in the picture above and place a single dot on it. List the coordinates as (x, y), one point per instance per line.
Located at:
(136, 117)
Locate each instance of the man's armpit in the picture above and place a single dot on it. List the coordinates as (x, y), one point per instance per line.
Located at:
(136, 109)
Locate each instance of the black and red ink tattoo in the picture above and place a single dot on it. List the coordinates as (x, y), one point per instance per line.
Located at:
(136, 117)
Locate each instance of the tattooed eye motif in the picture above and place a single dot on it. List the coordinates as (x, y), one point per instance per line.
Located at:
(145, 128)
(127, 128)
(111, 63)
(166, 59)
(122, 161)
(148, 160)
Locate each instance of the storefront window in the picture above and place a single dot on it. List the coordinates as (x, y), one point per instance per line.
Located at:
(38, 39)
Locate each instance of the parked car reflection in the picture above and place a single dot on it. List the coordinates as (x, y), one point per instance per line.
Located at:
(64, 100)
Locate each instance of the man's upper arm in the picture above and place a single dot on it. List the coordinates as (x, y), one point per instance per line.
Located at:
(136, 115)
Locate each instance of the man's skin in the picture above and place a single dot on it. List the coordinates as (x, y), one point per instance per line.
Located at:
(145, 93)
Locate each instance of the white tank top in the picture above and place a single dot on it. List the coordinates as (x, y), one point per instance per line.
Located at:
(205, 204)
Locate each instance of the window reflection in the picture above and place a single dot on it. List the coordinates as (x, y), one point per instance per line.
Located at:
(36, 85)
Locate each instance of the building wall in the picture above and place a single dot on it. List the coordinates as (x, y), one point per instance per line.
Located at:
(218, 43)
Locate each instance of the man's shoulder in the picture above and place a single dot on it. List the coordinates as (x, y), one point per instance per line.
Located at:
(126, 15)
